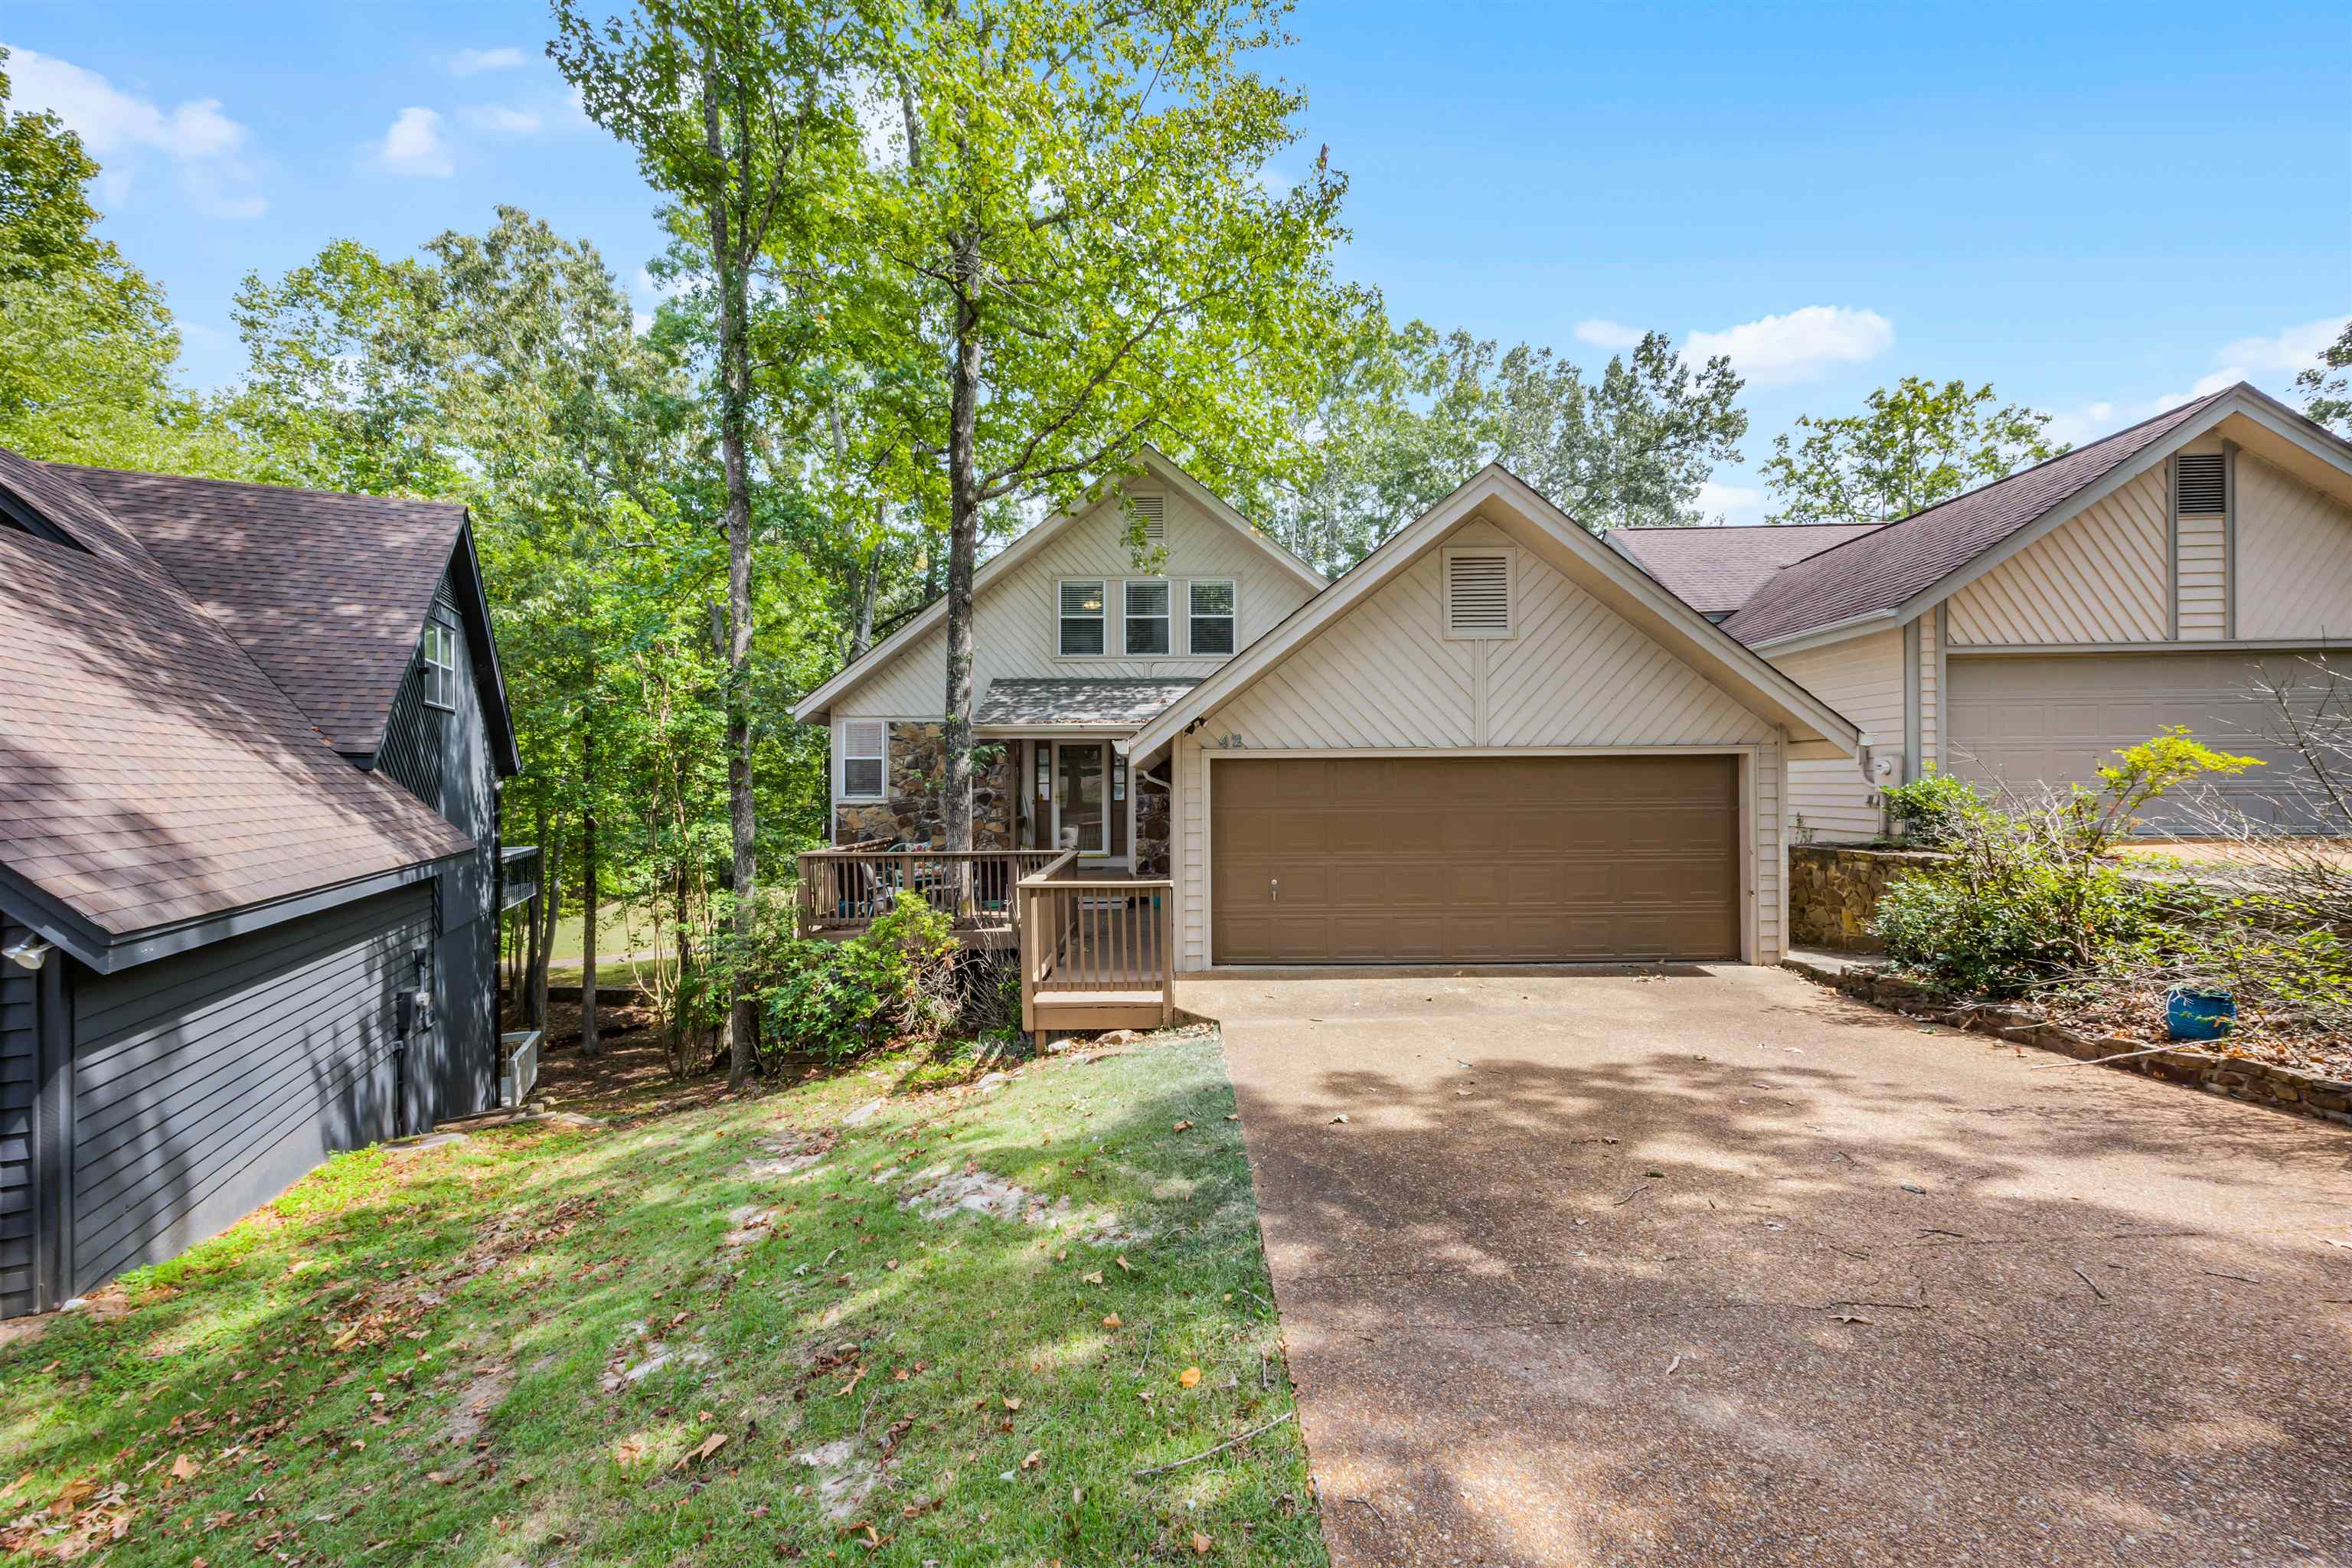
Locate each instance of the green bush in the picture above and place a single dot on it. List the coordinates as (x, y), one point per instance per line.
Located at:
(2036, 922)
(1931, 809)
(833, 999)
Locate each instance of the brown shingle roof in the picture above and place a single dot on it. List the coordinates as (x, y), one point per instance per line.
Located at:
(326, 591)
(1889, 566)
(149, 773)
(1717, 569)
(1110, 703)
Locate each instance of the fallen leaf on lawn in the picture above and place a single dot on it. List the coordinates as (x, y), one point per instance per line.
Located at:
(1189, 1376)
(632, 1448)
(1010, 1403)
(1111, 1321)
(857, 1378)
(1201, 1544)
(1183, 1126)
(711, 1445)
(1094, 1278)
(1035, 1458)
(441, 1478)
(1847, 1317)
(900, 1375)
(73, 1497)
(1124, 1266)
(182, 1468)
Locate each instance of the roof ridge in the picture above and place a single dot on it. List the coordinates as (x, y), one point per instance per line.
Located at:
(271, 485)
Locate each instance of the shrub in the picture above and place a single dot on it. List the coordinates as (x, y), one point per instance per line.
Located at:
(1929, 811)
(2034, 922)
(833, 999)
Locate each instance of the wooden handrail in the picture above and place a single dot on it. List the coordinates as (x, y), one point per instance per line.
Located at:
(1105, 938)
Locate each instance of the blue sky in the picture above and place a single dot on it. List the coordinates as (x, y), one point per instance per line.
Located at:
(2098, 209)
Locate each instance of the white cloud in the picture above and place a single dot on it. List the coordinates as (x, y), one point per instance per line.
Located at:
(1732, 504)
(2296, 348)
(501, 119)
(1775, 351)
(473, 62)
(414, 146)
(2076, 426)
(122, 129)
(1602, 333)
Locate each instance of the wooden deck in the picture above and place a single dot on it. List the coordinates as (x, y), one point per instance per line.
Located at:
(1096, 947)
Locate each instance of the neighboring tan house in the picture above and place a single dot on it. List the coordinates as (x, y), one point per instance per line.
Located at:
(250, 877)
(2020, 633)
(1494, 739)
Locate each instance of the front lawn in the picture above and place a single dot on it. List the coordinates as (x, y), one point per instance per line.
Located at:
(898, 1314)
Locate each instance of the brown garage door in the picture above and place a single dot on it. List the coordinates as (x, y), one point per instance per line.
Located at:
(1490, 858)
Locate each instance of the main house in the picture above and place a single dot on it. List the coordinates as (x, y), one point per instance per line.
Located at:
(1494, 739)
(250, 875)
(2018, 633)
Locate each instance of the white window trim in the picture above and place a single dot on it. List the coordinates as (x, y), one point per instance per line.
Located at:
(1110, 590)
(1510, 555)
(440, 674)
(841, 767)
(1127, 616)
(1233, 587)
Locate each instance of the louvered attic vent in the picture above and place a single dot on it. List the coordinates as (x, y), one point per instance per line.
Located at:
(1153, 509)
(1478, 594)
(2201, 487)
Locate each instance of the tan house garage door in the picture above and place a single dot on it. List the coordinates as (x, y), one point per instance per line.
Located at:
(1401, 859)
(2030, 722)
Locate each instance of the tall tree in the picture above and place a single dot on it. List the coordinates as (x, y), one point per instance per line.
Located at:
(1915, 443)
(738, 109)
(1085, 190)
(2326, 388)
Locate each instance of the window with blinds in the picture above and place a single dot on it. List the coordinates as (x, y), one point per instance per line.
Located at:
(1082, 618)
(862, 742)
(2200, 484)
(1147, 616)
(1478, 594)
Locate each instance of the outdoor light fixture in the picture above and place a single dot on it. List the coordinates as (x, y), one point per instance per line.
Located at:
(27, 953)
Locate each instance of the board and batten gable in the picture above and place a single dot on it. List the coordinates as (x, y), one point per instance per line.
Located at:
(1016, 618)
(1384, 675)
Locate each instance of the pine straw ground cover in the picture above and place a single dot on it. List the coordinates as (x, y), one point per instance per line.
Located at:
(893, 1315)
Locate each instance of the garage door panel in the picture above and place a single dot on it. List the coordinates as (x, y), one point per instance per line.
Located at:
(2034, 723)
(1399, 859)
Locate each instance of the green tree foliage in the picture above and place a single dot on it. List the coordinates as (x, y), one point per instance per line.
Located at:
(1916, 443)
(1402, 416)
(2326, 388)
(86, 346)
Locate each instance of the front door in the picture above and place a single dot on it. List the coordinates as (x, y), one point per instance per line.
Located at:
(1081, 799)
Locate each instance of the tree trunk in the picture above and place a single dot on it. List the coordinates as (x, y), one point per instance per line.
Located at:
(590, 1043)
(869, 589)
(734, 420)
(550, 901)
(963, 546)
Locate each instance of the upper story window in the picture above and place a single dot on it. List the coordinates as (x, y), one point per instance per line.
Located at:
(863, 766)
(1082, 618)
(1147, 616)
(1211, 625)
(440, 665)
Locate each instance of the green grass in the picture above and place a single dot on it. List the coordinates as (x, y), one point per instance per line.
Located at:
(317, 1373)
(619, 929)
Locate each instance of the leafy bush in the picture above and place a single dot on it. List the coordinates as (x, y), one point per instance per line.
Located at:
(2031, 921)
(1929, 810)
(833, 999)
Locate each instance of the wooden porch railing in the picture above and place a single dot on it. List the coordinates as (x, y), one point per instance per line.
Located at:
(1095, 952)
(841, 890)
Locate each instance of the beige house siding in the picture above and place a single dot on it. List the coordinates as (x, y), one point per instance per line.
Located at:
(1863, 679)
(2204, 578)
(1384, 677)
(2295, 557)
(2103, 575)
(1015, 621)
(1931, 672)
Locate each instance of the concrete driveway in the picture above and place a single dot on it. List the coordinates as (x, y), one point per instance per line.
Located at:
(1717, 1266)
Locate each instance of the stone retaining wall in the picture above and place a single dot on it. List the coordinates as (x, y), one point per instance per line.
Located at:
(1833, 891)
(2239, 1077)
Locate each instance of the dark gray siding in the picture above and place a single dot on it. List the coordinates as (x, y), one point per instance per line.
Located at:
(206, 1083)
(19, 1081)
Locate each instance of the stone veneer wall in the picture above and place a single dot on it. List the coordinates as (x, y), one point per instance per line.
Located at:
(912, 813)
(1152, 819)
(1832, 892)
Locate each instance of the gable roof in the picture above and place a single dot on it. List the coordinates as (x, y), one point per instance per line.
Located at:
(1887, 574)
(152, 774)
(1155, 462)
(1717, 569)
(326, 591)
(1029, 703)
(1629, 590)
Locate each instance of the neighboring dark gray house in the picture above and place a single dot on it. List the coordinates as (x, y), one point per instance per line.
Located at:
(251, 739)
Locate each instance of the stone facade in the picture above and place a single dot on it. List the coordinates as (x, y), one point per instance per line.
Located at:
(1833, 892)
(1152, 819)
(2239, 1078)
(913, 814)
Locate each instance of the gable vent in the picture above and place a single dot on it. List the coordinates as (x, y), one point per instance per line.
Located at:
(1153, 511)
(1478, 594)
(2200, 487)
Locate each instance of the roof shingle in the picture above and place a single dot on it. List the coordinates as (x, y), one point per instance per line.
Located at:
(1127, 704)
(1889, 566)
(1717, 569)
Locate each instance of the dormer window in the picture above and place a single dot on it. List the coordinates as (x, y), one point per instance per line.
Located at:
(440, 660)
(1082, 618)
